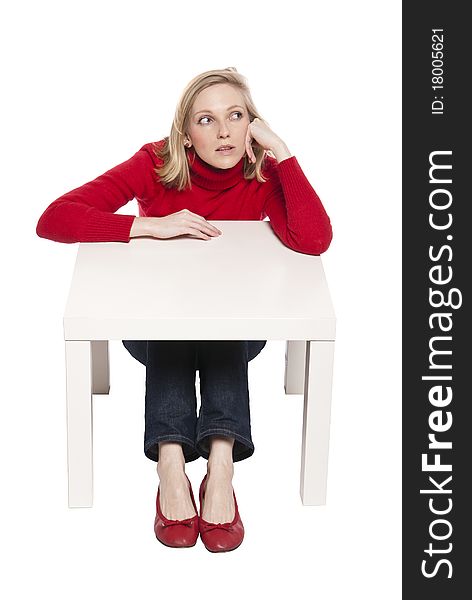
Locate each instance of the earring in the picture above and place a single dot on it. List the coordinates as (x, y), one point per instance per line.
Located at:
(187, 144)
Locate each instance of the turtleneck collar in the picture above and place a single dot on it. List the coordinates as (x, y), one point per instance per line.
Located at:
(213, 178)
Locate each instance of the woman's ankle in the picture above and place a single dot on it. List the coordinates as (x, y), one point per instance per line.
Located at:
(221, 454)
(171, 459)
(220, 469)
(171, 453)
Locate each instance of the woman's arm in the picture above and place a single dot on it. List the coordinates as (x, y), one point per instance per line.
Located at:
(296, 214)
(295, 211)
(86, 214)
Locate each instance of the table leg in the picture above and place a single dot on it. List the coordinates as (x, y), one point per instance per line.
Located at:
(316, 421)
(294, 367)
(79, 423)
(100, 367)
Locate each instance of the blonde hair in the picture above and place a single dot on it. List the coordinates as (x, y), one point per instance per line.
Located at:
(175, 171)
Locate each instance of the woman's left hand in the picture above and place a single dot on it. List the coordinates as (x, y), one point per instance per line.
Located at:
(266, 138)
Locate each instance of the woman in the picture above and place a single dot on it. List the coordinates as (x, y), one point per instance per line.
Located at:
(220, 161)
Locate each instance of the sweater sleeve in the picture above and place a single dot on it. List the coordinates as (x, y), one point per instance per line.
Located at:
(296, 213)
(85, 214)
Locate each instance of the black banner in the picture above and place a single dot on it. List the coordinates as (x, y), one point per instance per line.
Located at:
(437, 242)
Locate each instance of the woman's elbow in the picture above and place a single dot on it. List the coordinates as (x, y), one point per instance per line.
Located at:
(317, 244)
(42, 227)
(325, 237)
(50, 228)
(325, 243)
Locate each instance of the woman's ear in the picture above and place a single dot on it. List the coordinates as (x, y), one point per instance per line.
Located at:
(187, 141)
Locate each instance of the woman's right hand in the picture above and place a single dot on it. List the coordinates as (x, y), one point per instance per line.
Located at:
(179, 223)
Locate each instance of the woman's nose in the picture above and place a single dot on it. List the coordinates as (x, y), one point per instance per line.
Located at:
(223, 130)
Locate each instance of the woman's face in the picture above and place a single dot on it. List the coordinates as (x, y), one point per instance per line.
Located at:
(219, 118)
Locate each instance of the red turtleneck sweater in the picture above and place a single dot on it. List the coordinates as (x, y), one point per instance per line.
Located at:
(86, 214)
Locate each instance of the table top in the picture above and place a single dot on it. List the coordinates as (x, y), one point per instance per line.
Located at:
(244, 284)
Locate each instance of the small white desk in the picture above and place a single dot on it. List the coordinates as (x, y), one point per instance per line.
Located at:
(242, 285)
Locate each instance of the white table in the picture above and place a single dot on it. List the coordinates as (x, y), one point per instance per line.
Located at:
(244, 284)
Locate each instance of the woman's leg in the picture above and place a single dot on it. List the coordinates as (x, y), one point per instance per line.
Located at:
(170, 402)
(170, 420)
(174, 492)
(219, 502)
(223, 427)
(254, 348)
(137, 349)
(224, 392)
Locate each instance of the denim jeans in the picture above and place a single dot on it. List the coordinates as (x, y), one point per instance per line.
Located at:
(171, 401)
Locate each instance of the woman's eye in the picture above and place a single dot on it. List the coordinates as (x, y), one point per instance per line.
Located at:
(235, 116)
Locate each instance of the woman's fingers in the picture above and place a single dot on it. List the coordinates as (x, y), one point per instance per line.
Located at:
(205, 226)
(249, 150)
(197, 233)
(180, 223)
(201, 222)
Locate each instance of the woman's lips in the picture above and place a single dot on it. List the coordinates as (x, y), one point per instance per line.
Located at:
(226, 150)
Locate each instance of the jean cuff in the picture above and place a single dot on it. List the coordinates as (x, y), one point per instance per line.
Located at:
(242, 448)
(151, 447)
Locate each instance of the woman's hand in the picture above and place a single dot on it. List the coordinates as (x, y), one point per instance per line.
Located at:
(179, 223)
(260, 132)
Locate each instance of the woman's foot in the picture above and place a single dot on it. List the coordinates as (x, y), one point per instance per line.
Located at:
(174, 491)
(221, 536)
(218, 505)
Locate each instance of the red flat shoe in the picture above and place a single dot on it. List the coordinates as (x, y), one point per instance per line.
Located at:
(220, 537)
(176, 533)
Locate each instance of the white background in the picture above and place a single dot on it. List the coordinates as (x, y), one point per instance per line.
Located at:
(85, 85)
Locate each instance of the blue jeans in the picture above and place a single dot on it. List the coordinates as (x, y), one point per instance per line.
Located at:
(171, 401)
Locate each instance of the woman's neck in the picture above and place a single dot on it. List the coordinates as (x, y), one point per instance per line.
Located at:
(213, 178)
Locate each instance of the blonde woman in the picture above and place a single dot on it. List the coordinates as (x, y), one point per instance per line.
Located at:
(221, 161)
